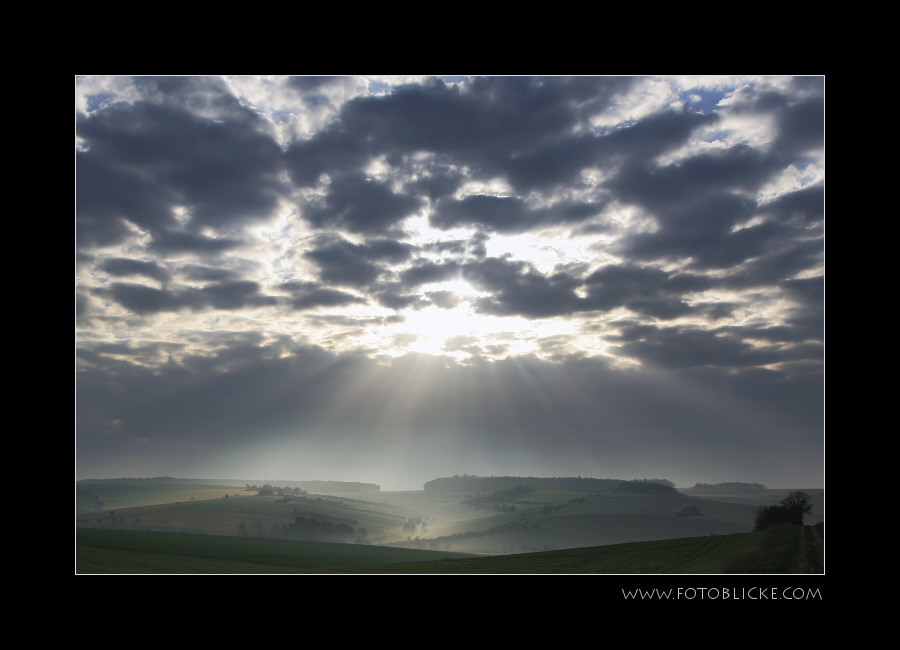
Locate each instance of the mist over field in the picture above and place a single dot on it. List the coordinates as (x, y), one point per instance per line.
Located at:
(394, 279)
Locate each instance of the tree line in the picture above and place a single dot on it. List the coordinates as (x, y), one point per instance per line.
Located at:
(489, 484)
(645, 487)
(309, 529)
(499, 499)
(660, 481)
(733, 487)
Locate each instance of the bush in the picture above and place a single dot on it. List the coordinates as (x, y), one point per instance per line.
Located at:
(689, 511)
(766, 517)
(792, 509)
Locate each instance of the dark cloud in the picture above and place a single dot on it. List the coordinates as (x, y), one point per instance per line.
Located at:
(202, 273)
(802, 126)
(655, 134)
(810, 292)
(394, 295)
(207, 96)
(436, 184)
(344, 263)
(562, 160)
(425, 272)
(703, 231)
(473, 246)
(108, 197)
(119, 267)
(142, 299)
(772, 333)
(309, 295)
(226, 296)
(518, 289)
(806, 205)
(785, 261)
(167, 242)
(143, 160)
(488, 114)
(681, 348)
(329, 152)
(485, 124)
(360, 205)
(495, 212)
(229, 296)
(641, 289)
(557, 162)
(507, 214)
(700, 177)
(808, 315)
(715, 230)
(799, 114)
(308, 83)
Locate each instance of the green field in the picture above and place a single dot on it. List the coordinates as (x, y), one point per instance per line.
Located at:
(690, 555)
(135, 552)
(126, 551)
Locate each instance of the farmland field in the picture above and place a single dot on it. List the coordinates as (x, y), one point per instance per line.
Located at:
(112, 495)
(110, 551)
(123, 551)
(547, 520)
(553, 520)
(253, 514)
(690, 555)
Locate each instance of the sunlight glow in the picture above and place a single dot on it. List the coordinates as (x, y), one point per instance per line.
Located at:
(434, 326)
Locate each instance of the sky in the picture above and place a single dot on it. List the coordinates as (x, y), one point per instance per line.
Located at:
(390, 279)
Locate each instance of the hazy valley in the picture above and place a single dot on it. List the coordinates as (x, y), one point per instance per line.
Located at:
(488, 516)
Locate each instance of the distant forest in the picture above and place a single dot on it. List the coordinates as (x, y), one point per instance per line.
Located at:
(728, 488)
(645, 487)
(490, 484)
(307, 486)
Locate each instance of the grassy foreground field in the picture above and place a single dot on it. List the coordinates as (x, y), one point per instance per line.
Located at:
(129, 551)
(137, 552)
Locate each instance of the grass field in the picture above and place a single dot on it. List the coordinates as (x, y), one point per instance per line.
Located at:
(135, 552)
(126, 551)
(690, 555)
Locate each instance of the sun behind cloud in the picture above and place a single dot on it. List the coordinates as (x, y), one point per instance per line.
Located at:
(320, 257)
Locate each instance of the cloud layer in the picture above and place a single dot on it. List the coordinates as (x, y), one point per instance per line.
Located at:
(389, 279)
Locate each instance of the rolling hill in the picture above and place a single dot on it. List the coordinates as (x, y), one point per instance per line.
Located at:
(526, 521)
